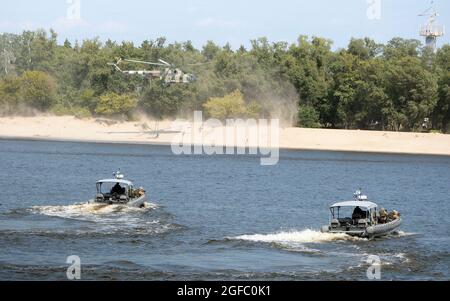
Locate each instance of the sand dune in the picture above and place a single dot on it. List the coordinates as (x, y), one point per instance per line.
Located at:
(99, 130)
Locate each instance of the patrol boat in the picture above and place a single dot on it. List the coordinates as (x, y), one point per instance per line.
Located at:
(119, 191)
(361, 218)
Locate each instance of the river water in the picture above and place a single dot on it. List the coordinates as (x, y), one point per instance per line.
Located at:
(215, 217)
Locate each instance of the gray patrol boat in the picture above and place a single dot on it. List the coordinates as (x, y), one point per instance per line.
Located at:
(119, 191)
(361, 218)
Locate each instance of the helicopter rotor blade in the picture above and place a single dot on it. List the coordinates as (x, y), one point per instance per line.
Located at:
(115, 66)
(165, 63)
(142, 62)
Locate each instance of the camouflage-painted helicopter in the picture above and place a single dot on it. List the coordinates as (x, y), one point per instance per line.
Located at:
(170, 74)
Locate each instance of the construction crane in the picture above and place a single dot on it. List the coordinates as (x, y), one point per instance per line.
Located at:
(430, 30)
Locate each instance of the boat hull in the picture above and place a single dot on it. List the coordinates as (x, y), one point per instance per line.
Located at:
(137, 202)
(383, 229)
(369, 232)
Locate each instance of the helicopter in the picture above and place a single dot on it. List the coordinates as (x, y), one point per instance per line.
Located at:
(170, 74)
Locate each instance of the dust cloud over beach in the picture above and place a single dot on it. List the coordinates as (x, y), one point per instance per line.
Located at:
(68, 128)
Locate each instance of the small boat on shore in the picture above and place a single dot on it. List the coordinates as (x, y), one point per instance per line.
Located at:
(361, 218)
(119, 191)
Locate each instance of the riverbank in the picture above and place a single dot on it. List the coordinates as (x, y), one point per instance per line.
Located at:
(68, 128)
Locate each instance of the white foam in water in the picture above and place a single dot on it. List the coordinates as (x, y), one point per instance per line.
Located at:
(117, 215)
(403, 234)
(305, 236)
(107, 218)
(86, 210)
(402, 257)
(394, 259)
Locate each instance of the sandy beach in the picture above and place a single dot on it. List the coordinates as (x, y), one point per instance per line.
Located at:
(68, 128)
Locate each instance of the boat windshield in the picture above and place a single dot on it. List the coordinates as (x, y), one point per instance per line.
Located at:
(112, 188)
(349, 213)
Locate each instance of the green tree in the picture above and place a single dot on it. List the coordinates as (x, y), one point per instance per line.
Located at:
(307, 66)
(38, 90)
(371, 92)
(7, 60)
(166, 101)
(443, 107)
(364, 48)
(367, 85)
(441, 113)
(308, 117)
(230, 106)
(347, 80)
(400, 48)
(413, 91)
(112, 104)
(9, 95)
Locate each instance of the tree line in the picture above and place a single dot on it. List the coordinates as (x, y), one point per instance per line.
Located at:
(394, 86)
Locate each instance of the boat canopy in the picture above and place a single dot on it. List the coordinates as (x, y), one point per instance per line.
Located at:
(113, 181)
(362, 204)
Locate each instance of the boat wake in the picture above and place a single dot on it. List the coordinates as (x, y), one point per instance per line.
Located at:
(400, 233)
(111, 219)
(328, 244)
(88, 211)
(305, 241)
(305, 236)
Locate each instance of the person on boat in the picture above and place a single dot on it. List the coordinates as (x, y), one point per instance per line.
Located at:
(117, 189)
(358, 213)
(134, 193)
(394, 215)
(373, 217)
(383, 216)
(141, 191)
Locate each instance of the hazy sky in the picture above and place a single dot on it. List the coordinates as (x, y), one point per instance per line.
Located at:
(234, 21)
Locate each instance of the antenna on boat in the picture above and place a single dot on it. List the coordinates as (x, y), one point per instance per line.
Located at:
(359, 196)
(118, 175)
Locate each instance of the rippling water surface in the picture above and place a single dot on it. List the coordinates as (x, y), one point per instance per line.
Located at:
(215, 218)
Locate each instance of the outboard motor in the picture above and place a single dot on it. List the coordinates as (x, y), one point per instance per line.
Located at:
(325, 229)
(123, 199)
(335, 223)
